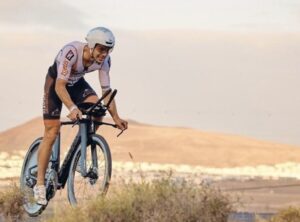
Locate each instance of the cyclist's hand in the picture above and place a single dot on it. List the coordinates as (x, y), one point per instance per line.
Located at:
(75, 114)
(121, 124)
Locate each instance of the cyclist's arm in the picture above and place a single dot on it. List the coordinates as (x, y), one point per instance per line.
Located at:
(120, 123)
(105, 85)
(61, 91)
(112, 107)
(67, 59)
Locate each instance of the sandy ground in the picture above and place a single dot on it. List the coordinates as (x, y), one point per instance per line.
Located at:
(264, 175)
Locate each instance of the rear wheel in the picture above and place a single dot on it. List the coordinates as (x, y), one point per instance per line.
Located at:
(28, 180)
(98, 164)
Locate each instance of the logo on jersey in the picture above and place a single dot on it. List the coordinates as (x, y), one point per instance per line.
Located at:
(65, 68)
(69, 55)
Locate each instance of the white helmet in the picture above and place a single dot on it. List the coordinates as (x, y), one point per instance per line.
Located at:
(100, 35)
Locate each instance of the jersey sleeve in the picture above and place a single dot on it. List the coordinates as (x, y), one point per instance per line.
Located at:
(67, 59)
(104, 74)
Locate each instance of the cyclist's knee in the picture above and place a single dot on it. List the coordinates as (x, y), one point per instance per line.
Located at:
(51, 130)
(91, 99)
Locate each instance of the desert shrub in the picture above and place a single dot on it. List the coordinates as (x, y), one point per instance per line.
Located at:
(291, 214)
(164, 199)
(11, 202)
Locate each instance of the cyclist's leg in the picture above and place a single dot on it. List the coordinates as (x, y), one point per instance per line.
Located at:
(51, 114)
(94, 99)
(51, 130)
(91, 99)
(83, 92)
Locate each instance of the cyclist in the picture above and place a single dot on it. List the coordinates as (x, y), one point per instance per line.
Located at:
(65, 84)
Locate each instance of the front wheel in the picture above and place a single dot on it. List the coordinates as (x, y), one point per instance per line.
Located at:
(98, 165)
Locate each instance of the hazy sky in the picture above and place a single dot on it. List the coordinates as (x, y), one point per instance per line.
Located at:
(233, 15)
(229, 65)
(279, 15)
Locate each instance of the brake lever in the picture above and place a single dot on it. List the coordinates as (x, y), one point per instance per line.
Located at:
(76, 122)
(120, 133)
(115, 126)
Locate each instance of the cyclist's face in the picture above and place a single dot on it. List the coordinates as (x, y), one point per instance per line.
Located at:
(100, 52)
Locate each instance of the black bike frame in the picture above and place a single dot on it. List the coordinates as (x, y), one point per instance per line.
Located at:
(81, 137)
(86, 130)
(63, 170)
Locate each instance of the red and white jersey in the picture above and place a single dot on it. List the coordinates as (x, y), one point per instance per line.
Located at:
(69, 63)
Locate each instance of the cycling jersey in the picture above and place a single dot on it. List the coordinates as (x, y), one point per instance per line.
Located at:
(68, 65)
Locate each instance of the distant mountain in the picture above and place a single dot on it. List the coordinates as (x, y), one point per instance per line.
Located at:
(147, 143)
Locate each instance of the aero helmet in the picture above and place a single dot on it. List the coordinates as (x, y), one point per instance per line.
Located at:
(100, 35)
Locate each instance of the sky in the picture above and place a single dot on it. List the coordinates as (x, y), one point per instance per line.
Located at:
(255, 15)
(226, 66)
(233, 15)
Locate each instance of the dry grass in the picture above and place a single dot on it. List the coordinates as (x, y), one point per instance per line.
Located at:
(160, 200)
(11, 202)
(291, 214)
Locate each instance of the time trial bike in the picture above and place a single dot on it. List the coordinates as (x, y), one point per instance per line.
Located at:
(86, 168)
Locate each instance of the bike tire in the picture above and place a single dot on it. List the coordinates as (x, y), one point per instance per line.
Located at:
(75, 178)
(31, 208)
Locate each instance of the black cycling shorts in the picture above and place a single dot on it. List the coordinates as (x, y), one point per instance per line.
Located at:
(52, 105)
